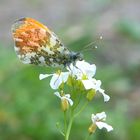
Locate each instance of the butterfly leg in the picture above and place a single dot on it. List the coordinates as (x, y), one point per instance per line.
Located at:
(59, 72)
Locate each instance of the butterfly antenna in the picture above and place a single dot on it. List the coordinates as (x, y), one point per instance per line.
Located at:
(91, 45)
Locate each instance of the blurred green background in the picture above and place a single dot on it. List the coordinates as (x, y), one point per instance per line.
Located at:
(28, 108)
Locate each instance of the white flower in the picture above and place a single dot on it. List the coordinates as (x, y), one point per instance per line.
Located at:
(98, 121)
(82, 68)
(86, 68)
(65, 97)
(95, 84)
(57, 78)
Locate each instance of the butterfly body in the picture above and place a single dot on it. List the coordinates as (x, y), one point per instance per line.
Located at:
(36, 44)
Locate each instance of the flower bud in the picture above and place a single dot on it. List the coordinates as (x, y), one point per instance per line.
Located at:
(64, 104)
(92, 128)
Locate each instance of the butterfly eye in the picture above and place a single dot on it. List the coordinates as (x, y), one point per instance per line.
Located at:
(80, 59)
(79, 56)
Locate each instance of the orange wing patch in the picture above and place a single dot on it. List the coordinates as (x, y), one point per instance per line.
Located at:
(29, 35)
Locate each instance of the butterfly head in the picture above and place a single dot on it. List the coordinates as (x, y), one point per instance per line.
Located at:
(75, 56)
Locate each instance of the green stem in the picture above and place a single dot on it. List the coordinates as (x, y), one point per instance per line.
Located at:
(69, 126)
(65, 122)
(82, 108)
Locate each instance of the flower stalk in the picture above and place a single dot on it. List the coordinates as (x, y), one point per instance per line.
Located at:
(69, 126)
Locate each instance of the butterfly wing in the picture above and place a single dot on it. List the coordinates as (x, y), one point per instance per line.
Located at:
(36, 44)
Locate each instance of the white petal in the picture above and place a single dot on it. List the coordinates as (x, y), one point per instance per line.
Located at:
(57, 94)
(98, 88)
(98, 84)
(93, 118)
(74, 71)
(106, 97)
(88, 84)
(42, 76)
(91, 71)
(64, 76)
(55, 81)
(70, 101)
(86, 68)
(101, 116)
(98, 117)
(67, 95)
(101, 125)
(81, 68)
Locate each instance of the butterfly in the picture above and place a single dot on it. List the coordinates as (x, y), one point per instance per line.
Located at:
(38, 45)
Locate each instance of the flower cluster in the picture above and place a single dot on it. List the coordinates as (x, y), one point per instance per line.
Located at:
(81, 78)
(83, 72)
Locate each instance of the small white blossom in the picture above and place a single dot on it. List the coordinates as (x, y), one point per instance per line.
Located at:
(57, 78)
(82, 68)
(66, 96)
(95, 84)
(98, 121)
